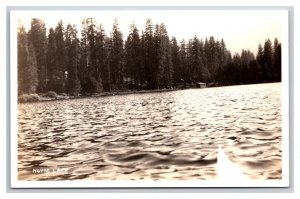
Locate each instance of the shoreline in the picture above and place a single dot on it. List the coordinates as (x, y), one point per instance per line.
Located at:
(31, 98)
(42, 97)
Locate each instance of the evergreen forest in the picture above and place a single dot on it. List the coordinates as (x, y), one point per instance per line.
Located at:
(65, 60)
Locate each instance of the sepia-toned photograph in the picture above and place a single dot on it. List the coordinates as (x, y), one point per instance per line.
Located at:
(150, 98)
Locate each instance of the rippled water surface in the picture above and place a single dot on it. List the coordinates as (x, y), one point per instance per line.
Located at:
(169, 135)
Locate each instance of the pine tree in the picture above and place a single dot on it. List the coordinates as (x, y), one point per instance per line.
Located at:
(27, 64)
(83, 57)
(246, 58)
(169, 68)
(142, 75)
(91, 81)
(196, 61)
(205, 75)
(211, 52)
(207, 59)
(277, 60)
(108, 47)
(176, 60)
(260, 55)
(37, 36)
(72, 60)
(117, 56)
(102, 50)
(189, 62)
(134, 56)
(149, 54)
(51, 62)
(260, 62)
(223, 61)
(267, 69)
(60, 73)
(183, 69)
(55, 59)
(164, 67)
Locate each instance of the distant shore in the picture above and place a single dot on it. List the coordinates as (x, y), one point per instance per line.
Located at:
(52, 96)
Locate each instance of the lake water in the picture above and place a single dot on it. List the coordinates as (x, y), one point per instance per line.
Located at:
(169, 135)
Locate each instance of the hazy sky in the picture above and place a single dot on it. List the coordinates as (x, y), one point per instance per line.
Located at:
(240, 29)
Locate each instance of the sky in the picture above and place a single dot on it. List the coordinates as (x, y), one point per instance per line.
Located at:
(240, 29)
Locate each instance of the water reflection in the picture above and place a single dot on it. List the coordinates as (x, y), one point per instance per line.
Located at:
(171, 135)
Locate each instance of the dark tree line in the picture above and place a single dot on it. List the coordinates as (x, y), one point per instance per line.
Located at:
(59, 60)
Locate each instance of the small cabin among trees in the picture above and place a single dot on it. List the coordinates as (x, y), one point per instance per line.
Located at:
(201, 85)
